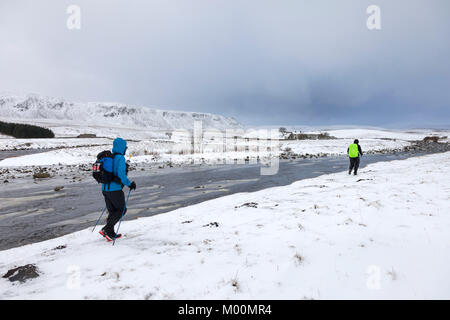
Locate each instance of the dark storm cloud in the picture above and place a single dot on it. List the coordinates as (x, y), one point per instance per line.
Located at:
(263, 62)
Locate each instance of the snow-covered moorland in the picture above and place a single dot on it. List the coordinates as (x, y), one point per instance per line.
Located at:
(73, 151)
(371, 140)
(382, 234)
(105, 119)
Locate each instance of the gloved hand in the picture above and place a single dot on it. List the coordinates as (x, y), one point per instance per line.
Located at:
(133, 186)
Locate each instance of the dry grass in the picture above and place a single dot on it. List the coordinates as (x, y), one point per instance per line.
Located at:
(298, 258)
(235, 283)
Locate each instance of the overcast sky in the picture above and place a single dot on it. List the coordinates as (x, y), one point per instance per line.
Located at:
(276, 62)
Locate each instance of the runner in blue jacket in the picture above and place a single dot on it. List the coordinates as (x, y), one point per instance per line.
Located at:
(114, 196)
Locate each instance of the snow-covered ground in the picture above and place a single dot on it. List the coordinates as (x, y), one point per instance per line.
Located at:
(371, 140)
(339, 146)
(408, 135)
(353, 132)
(180, 150)
(8, 143)
(153, 133)
(380, 235)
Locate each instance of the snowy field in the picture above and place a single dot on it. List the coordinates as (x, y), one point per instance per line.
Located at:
(178, 150)
(380, 235)
(8, 143)
(339, 146)
(408, 135)
(371, 140)
(373, 132)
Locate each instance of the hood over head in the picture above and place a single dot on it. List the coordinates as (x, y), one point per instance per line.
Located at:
(119, 146)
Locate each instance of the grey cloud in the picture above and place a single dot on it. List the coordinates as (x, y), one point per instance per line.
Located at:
(263, 62)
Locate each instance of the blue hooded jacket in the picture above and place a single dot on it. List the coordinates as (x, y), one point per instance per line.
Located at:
(119, 149)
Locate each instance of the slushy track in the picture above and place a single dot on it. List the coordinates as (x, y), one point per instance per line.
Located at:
(17, 153)
(38, 213)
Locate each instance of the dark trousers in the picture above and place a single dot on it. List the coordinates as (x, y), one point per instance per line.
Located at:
(115, 203)
(354, 164)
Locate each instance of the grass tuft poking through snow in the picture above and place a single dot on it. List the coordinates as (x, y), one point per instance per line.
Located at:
(298, 258)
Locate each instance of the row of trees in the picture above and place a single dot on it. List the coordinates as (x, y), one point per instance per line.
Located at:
(18, 130)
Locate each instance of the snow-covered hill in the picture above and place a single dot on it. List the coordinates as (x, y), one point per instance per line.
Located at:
(29, 108)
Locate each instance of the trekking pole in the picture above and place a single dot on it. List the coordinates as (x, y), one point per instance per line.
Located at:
(123, 211)
(99, 219)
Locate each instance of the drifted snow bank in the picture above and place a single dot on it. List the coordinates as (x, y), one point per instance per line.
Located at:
(380, 235)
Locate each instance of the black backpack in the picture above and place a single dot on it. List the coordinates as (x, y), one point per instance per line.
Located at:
(103, 168)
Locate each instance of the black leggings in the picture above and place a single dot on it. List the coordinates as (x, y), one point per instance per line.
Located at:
(354, 163)
(115, 203)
